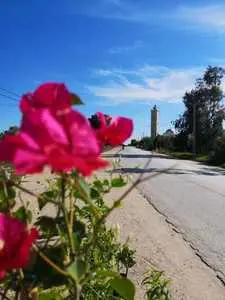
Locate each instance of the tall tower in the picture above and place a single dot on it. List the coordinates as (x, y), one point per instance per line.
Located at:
(154, 121)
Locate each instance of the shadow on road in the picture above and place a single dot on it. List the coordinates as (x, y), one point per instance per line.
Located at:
(137, 156)
(201, 171)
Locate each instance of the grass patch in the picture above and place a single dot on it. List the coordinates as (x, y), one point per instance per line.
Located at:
(189, 156)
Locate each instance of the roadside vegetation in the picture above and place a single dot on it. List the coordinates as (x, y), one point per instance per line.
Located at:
(199, 132)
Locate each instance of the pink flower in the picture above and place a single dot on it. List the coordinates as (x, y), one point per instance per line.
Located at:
(116, 133)
(64, 143)
(15, 243)
(54, 96)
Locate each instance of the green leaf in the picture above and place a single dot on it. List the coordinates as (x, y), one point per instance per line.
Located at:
(77, 269)
(124, 287)
(118, 182)
(84, 185)
(109, 274)
(79, 228)
(49, 295)
(23, 214)
(94, 193)
(47, 225)
(98, 185)
(76, 99)
(106, 182)
(79, 232)
(45, 197)
(3, 202)
(82, 189)
(7, 196)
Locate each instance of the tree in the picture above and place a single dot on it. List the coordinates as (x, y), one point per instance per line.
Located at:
(146, 143)
(133, 142)
(206, 98)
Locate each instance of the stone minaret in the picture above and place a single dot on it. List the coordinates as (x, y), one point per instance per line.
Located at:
(154, 121)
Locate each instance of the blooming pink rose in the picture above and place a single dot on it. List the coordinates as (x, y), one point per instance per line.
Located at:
(116, 133)
(15, 243)
(64, 144)
(54, 96)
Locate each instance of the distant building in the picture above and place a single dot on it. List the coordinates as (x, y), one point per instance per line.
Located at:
(154, 121)
(169, 132)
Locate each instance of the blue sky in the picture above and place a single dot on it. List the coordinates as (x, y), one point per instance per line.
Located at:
(120, 56)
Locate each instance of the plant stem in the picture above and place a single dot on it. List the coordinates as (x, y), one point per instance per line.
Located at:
(50, 262)
(71, 219)
(75, 183)
(78, 291)
(23, 189)
(67, 221)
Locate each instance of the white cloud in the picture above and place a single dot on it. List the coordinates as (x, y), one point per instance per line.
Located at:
(125, 49)
(149, 83)
(208, 16)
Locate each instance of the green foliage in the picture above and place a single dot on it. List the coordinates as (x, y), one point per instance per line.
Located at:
(123, 287)
(126, 257)
(23, 214)
(133, 142)
(146, 143)
(47, 226)
(207, 98)
(7, 191)
(77, 255)
(157, 286)
(118, 182)
(164, 142)
(46, 197)
(217, 154)
(77, 269)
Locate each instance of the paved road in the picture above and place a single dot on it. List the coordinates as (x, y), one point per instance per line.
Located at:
(190, 195)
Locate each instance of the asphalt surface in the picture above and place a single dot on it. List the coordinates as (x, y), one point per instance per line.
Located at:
(190, 195)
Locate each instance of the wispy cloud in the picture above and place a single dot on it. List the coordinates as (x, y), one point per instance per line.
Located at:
(125, 49)
(206, 16)
(146, 84)
(203, 17)
(123, 10)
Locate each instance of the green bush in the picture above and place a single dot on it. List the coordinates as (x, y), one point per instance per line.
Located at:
(146, 143)
(157, 286)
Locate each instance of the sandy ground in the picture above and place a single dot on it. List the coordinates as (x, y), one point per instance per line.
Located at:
(37, 183)
(157, 244)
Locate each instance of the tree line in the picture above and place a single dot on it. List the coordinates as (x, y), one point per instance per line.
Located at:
(200, 128)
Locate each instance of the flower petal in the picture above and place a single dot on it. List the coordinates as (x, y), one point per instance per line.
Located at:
(82, 137)
(26, 161)
(119, 131)
(53, 95)
(44, 128)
